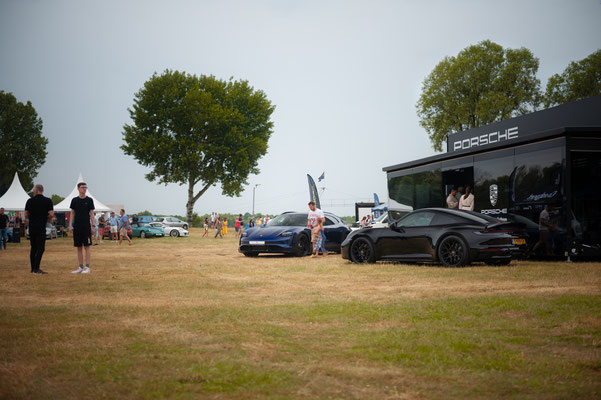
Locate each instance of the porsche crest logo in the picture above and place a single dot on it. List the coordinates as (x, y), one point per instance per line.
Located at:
(494, 194)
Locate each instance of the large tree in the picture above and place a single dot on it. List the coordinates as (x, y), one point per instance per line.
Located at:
(198, 130)
(580, 79)
(484, 83)
(22, 144)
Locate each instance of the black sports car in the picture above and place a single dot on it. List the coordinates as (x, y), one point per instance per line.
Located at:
(288, 234)
(452, 237)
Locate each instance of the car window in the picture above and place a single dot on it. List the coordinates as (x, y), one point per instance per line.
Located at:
(329, 222)
(441, 218)
(417, 219)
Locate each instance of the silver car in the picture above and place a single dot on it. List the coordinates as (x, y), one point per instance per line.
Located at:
(172, 221)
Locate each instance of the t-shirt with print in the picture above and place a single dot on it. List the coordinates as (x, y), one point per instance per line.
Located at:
(82, 208)
(313, 216)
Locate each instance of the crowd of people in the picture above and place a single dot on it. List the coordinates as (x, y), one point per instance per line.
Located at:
(220, 225)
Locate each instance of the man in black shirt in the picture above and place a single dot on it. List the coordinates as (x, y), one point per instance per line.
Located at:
(3, 229)
(82, 220)
(38, 211)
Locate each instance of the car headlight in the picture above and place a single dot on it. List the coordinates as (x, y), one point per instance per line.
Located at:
(285, 234)
(244, 234)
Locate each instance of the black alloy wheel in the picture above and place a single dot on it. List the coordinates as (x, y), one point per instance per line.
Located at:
(362, 251)
(301, 245)
(452, 252)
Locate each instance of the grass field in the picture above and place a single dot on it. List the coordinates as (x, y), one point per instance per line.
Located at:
(192, 318)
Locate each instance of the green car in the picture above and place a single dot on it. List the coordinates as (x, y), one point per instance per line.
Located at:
(142, 229)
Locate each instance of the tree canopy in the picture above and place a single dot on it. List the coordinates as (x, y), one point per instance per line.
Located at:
(21, 140)
(199, 130)
(580, 79)
(484, 83)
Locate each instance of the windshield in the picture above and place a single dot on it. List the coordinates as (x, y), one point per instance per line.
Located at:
(291, 219)
(143, 225)
(381, 218)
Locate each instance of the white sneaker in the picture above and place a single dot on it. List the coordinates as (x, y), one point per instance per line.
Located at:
(86, 270)
(78, 271)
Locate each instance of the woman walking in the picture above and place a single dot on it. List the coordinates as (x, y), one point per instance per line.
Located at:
(224, 229)
(206, 226)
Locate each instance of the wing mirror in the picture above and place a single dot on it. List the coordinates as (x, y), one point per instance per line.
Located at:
(395, 227)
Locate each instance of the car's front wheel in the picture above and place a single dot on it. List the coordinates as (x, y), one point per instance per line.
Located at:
(453, 252)
(301, 245)
(362, 251)
(174, 233)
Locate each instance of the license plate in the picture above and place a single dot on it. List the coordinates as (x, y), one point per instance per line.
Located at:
(256, 243)
(519, 241)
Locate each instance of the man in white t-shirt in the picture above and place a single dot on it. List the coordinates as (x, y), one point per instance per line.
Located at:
(315, 214)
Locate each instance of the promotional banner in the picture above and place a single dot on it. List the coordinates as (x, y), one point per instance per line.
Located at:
(313, 195)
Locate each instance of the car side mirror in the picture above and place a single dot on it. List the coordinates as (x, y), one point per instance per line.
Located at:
(397, 228)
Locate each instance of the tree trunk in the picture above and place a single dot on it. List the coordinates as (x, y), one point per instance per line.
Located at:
(192, 198)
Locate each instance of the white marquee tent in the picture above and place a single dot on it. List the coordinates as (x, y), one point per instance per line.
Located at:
(15, 197)
(65, 205)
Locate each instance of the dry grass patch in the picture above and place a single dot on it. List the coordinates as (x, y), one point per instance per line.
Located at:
(191, 317)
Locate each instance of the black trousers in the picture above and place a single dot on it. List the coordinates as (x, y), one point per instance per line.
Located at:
(38, 245)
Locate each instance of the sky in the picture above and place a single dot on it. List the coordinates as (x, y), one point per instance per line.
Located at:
(344, 76)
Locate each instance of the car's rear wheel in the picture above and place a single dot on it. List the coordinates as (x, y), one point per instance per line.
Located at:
(453, 252)
(251, 253)
(301, 245)
(174, 233)
(142, 234)
(362, 251)
(185, 226)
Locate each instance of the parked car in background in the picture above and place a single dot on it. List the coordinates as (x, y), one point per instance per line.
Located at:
(288, 234)
(172, 231)
(454, 238)
(51, 232)
(172, 221)
(143, 229)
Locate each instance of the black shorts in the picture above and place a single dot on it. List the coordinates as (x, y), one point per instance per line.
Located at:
(82, 237)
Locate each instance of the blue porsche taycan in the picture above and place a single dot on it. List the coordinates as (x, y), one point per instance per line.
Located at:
(288, 234)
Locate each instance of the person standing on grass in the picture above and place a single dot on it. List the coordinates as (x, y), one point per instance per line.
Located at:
(266, 220)
(3, 229)
(123, 227)
(218, 226)
(224, 228)
(38, 211)
(113, 226)
(319, 242)
(206, 226)
(238, 225)
(101, 225)
(81, 222)
(314, 217)
(135, 219)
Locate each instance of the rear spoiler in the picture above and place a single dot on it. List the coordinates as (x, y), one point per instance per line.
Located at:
(506, 226)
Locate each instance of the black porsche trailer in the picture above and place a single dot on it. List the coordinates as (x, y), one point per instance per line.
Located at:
(516, 168)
